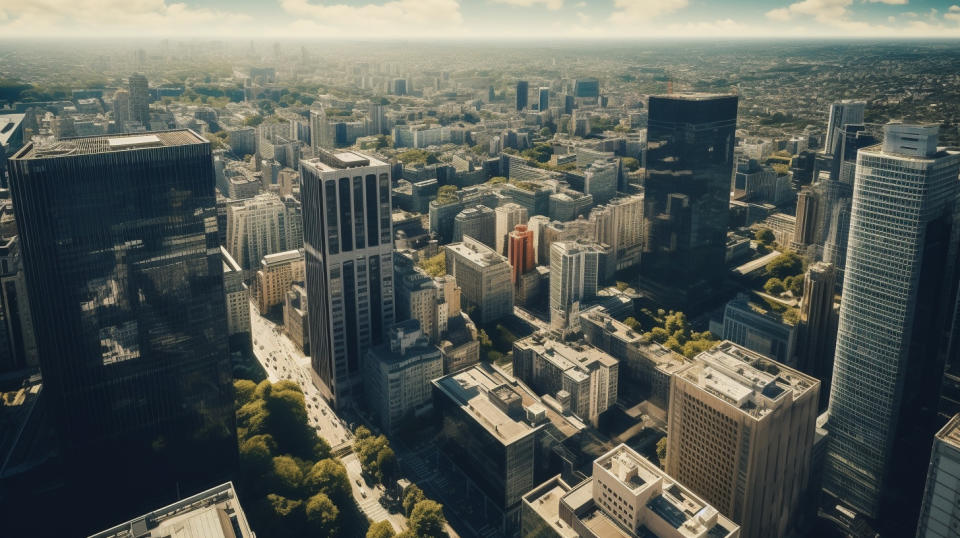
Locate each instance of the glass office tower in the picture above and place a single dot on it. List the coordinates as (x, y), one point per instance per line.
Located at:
(125, 280)
(687, 186)
(895, 322)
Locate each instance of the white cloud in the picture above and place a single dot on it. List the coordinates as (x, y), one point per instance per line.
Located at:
(390, 19)
(638, 11)
(97, 17)
(953, 14)
(821, 10)
(890, 2)
(549, 4)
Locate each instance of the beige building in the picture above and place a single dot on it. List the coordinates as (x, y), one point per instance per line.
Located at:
(507, 217)
(262, 225)
(627, 496)
(484, 279)
(295, 317)
(740, 434)
(237, 296)
(277, 272)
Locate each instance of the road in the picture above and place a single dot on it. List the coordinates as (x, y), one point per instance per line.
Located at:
(281, 359)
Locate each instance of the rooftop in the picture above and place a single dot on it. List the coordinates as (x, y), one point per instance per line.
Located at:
(566, 355)
(215, 513)
(545, 501)
(327, 161)
(747, 380)
(90, 145)
(476, 252)
(278, 258)
(8, 126)
(950, 433)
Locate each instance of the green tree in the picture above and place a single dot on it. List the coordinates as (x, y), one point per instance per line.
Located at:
(330, 477)
(662, 451)
(632, 323)
(322, 515)
(784, 265)
(286, 476)
(427, 519)
(435, 265)
(411, 497)
(658, 335)
(631, 164)
(243, 392)
(256, 453)
(447, 194)
(764, 236)
(253, 121)
(774, 286)
(252, 418)
(795, 285)
(381, 529)
(280, 517)
(361, 432)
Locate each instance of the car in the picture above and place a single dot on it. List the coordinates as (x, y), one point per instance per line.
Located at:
(363, 494)
(357, 480)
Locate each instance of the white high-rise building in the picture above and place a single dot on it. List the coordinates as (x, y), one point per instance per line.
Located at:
(574, 270)
(507, 217)
(846, 112)
(260, 226)
(620, 225)
(896, 318)
(321, 132)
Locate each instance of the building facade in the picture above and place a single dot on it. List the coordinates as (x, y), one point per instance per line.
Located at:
(483, 277)
(940, 513)
(277, 272)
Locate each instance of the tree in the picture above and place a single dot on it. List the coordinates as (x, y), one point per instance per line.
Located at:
(361, 432)
(256, 453)
(329, 477)
(435, 265)
(764, 236)
(774, 286)
(785, 265)
(281, 517)
(243, 392)
(252, 418)
(381, 529)
(447, 194)
(632, 323)
(631, 164)
(411, 497)
(795, 285)
(662, 451)
(386, 463)
(286, 476)
(253, 121)
(322, 515)
(427, 519)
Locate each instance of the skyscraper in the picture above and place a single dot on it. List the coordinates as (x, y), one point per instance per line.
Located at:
(123, 266)
(543, 101)
(507, 217)
(574, 270)
(121, 109)
(687, 187)
(348, 240)
(846, 112)
(139, 99)
(523, 91)
(818, 326)
(897, 310)
(322, 134)
(520, 252)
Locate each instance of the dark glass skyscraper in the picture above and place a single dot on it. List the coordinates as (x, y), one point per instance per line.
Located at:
(122, 263)
(687, 187)
(348, 243)
(523, 94)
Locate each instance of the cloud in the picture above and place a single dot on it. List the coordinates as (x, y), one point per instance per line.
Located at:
(953, 14)
(890, 2)
(549, 4)
(389, 19)
(634, 11)
(821, 10)
(94, 17)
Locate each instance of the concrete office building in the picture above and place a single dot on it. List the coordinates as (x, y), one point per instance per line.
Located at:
(478, 222)
(757, 329)
(626, 496)
(523, 94)
(508, 216)
(18, 343)
(583, 379)
(127, 296)
(348, 239)
(574, 270)
(121, 109)
(501, 437)
(600, 180)
(740, 435)
(398, 375)
(322, 134)
(896, 318)
(804, 232)
(295, 318)
(260, 226)
(432, 301)
(526, 279)
(483, 277)
(237, 296)
(277, 272)
(619, 224)
(543, 99)
(940, 512)
(846, 112)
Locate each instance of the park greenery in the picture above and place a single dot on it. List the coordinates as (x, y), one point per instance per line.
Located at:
(415, 157)
(539, 152)
(288, 478)
(377, 459)
(435, 265)
(785, 273)
(447, 194)
(673, 331)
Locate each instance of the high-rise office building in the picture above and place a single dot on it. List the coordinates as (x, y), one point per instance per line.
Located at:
(543, 99)
(277, 272)
(896, 317)
(740, 435)
(322, 133)
(478, 222)
(483, 277)
(687, 187)
(520, 252)
(574, 271)
(348, 240)
(600, 180)
(586, 88)
(757, 329)
(261, 226)
(127, 294)
(376, 119)
(846, 112)
(940, 512)
(508, 216)
(818, 326)
(805, 231)
(121, 110)
(139, 99)
(523, 94)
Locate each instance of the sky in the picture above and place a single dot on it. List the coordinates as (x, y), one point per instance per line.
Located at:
(480, 19)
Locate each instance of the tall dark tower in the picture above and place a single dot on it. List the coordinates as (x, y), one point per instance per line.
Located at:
(523, 94)
(687, 187)
(123, 269)
(139, 99)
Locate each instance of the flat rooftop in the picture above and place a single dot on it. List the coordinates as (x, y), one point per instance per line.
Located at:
(283, 257)
(476, 252)
(566, 356)
(749, 381)
(950, 433)
(215, 513)
(90, 145)
(331, 161)
(8, 126)
(545, 501)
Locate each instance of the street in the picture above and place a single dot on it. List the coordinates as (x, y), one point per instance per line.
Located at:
(281, 359)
